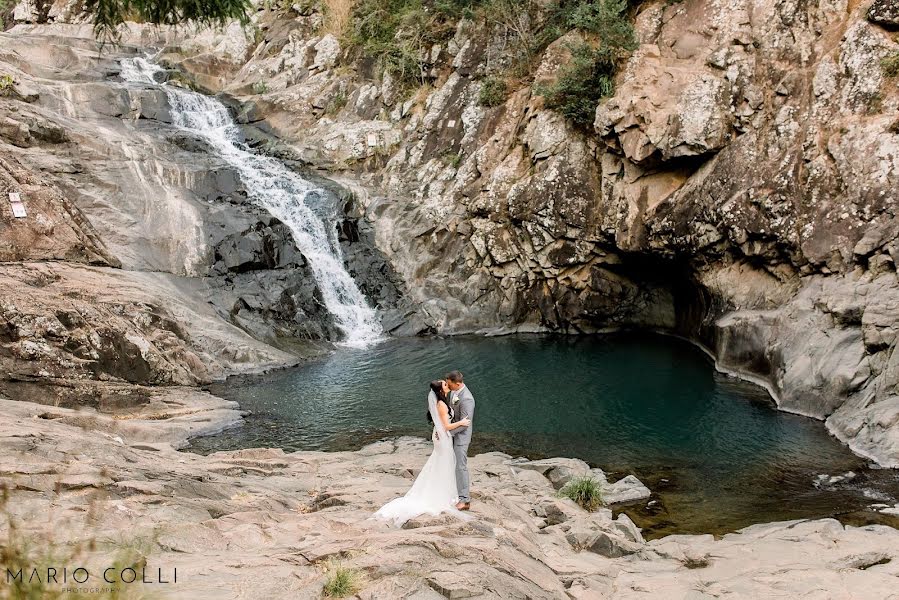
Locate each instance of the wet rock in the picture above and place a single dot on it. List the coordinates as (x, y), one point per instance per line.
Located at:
(626, 489)
(154, 104)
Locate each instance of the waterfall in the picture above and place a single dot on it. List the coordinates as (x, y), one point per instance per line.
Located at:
(280, 191)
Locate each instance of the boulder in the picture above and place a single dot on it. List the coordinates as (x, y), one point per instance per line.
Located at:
(559, 510)
(455, 585)
(558, 470)
(627, 489)
(884, 12)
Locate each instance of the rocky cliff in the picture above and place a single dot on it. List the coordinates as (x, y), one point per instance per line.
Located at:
(141, 260)
(738, 188)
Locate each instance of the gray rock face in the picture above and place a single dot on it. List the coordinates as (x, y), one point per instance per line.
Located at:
(721, 185)
(721, 188)
(172, 207)
(884, 12)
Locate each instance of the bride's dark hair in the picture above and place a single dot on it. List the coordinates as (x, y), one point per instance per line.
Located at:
(437, 388)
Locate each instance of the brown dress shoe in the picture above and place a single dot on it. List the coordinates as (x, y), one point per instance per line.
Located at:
(463, 506)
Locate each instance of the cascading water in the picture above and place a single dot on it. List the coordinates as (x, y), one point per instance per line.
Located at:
(278, 190)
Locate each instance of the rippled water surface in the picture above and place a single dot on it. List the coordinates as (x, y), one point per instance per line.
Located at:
(713, 449)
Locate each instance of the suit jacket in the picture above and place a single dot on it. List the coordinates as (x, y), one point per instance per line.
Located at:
(463, 409)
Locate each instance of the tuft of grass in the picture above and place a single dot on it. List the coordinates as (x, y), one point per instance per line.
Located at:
(337, 102)
(585, 491)
(6, 84)
(260, 87)
(23, 554)
(338, 14)
(890, 65)
(696, 562)
(454, 159)
(492, 93)
(342, 581)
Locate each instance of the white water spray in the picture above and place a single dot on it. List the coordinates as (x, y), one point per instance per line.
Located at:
(281, 192)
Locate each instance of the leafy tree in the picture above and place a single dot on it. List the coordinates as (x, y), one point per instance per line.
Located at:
(110, 14)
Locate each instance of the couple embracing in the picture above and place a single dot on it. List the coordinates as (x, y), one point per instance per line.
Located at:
(443, 483)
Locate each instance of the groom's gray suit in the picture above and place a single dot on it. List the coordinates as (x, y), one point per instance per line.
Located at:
(463, 407)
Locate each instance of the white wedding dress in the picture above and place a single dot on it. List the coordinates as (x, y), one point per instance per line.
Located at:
(434, 490)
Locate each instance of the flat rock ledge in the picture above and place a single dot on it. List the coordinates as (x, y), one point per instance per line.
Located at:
(262, 523)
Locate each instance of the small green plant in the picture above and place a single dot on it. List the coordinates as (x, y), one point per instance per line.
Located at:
(342, 581)
(454, 159)
(493, 92)
(890, 65)
(6, 84)
(585, 491)
(337, 102)
(260, 87)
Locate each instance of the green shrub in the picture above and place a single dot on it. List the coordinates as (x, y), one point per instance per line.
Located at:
(890, 65)
(493, 92)
(590, 75)
(585, 491)
(399, 34)
(607, 19)
(396, 33)
(342, 582)
(581, 84)
(260, 87)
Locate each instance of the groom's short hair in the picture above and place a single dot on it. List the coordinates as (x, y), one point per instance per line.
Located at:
(455, 376)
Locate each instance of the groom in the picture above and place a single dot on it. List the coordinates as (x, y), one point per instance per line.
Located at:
(463, 408)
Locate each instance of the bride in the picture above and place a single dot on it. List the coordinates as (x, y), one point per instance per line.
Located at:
(434, 490)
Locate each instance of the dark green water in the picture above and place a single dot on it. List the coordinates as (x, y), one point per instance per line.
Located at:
(713, 449)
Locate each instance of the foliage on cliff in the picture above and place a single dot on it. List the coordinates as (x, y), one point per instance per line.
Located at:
(108, 15)
(399, 35)
(590, 76)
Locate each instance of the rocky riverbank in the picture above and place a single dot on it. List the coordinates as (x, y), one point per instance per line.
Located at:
(263, 523)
